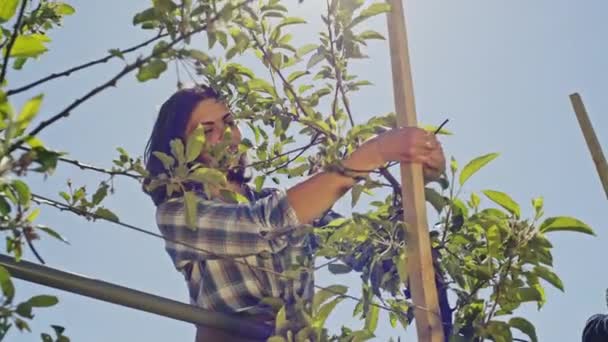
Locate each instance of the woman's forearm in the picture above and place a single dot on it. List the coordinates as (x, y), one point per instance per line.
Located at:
(314, 196)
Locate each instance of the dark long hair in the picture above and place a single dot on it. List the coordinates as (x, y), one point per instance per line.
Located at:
(170, 124)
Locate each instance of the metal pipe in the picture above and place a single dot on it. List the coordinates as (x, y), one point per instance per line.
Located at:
(134, 299)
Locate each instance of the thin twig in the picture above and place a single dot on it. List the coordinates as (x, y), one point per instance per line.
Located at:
(337, 68)
(84, 166)
(33, 249)
(302, 150)
(11, 42)
(69, 71)
(288, 86)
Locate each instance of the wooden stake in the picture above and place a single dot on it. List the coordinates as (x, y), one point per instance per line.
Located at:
(591, 139)
(419, 258)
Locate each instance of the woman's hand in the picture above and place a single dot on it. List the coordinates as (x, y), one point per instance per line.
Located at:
(409, 145)
(413, 145)
(435, 166)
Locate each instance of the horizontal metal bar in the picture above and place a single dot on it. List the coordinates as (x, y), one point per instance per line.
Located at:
(134, 299)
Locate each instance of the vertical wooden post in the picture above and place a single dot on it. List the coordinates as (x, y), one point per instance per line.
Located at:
(419, 258)
(592, 142)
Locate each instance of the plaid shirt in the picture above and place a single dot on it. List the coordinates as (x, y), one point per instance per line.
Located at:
(262, 233)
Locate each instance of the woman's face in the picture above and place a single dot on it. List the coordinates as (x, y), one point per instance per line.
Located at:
(216, 118)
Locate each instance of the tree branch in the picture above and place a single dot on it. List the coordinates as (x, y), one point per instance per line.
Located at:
(112, 82)
(337, 68)
(68, 72)
(302, 150)
(286, 84)
(11, 42)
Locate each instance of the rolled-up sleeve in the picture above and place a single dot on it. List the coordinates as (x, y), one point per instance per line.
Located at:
(227, 230)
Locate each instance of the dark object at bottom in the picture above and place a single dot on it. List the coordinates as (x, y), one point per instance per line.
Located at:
(209, 334)
(596, 329)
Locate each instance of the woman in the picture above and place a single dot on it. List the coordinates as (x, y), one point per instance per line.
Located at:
(242, 239)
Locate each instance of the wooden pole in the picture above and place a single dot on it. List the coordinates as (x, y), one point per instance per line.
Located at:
(592, 142)
(419, 259)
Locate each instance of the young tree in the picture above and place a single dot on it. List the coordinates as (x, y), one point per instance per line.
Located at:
(489, 260)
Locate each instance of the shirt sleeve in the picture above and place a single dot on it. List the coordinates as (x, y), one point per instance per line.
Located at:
(227, 230)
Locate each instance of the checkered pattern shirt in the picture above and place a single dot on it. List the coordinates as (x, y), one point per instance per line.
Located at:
(262, 233)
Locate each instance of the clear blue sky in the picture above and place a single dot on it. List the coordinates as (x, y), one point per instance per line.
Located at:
(500, 71)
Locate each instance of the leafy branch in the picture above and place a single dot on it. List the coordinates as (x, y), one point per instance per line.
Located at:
(12, 40)
(68, 72)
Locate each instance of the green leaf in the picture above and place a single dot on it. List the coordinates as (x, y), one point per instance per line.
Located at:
(499, 331)
(151, 70)
(325, 311)
(64, 9)
(52, 233)
(7, 284)
(453, 165)
(371, 318)
(281, 320)
(537, 203)
(524, 326)
(195, 143)
(494, 241)
(164, 5)
(435, 199)
(565, 223)
(24, 310)
(19, 63)
(261, 85)
(65, 196)
(290, 21)
(5, 208)
(402, 267)
(375, 9)
(107, 214)
(145, 16)
(33, 215)
(117, 53)
(475, 165)
(323, 295)
(306, 49)
(276, 339)
(177, 150)
(164, 158)
(528, 294)
(549, 276)
(504, 201)
(208, 176)
(356, 194)
(233, 197)
(433, 129)
(295, 75)
(190, 203)
(259, 182)
(100, 194)
(339, 268)
(372, 10)
(43, 301)
(31, 45)
(200, 56)
(23, 192)
(370, 34)
(315, 59)
(8, 8)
